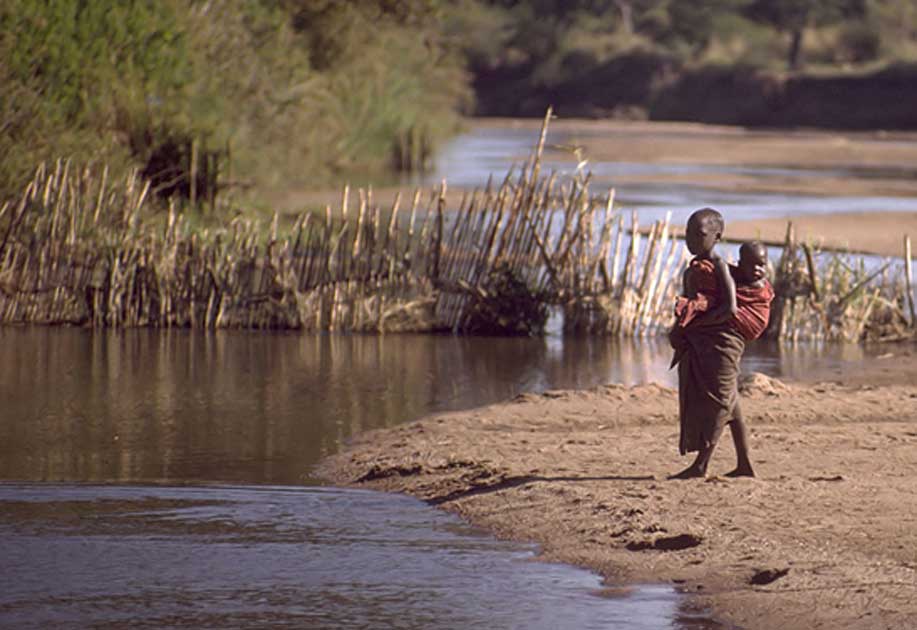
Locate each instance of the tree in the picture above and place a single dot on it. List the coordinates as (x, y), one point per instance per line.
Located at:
(695, 21)
(794, 16)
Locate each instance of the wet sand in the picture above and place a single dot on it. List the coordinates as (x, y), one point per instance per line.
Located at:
(824, 537)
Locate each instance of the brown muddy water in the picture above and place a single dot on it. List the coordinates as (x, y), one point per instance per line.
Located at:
(162, 479)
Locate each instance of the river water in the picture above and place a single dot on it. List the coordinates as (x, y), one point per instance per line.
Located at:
(163, 478)
(281, 557)
(470, 159)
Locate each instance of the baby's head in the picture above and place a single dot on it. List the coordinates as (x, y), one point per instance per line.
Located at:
(704, 231)
(752, 262)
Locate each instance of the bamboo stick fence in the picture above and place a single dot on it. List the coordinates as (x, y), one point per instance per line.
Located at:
(76, 248)
(842, 297)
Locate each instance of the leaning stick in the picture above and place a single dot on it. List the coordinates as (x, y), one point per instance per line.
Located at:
(810, 264)
(908, 279)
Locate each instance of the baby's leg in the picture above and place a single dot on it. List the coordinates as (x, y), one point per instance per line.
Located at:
(740, 439)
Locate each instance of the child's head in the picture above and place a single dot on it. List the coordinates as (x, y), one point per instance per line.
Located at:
(752, 261)
(704, 231)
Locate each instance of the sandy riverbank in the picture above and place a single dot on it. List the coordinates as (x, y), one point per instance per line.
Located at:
(879, 233)
(823, 538)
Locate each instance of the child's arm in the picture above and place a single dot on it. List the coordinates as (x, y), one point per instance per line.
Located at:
(676, 333)
(726, 308)
(685, 288)
(688, 289)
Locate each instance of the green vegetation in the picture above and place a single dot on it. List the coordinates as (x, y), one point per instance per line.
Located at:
(256, 94)
(608, 56)
(269, 91)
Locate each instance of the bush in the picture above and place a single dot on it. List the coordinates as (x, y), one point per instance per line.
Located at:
(731, 95)
(77, 76)
(858, 43)
(137, 83)
(510, 307)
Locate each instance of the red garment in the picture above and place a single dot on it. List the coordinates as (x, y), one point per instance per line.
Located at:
(701, 280)
(753, 304)
(753, 309)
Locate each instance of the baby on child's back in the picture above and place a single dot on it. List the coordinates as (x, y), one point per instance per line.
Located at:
(753, 293)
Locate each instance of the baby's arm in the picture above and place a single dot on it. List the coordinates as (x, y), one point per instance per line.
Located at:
(726, 308)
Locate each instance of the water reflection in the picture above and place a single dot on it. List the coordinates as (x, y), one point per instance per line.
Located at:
(155, 406)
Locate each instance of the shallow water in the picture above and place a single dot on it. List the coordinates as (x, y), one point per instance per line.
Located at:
(149, 406)
(471, 158)
(79, 556)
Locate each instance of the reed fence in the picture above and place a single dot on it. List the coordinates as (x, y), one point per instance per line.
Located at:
(832, 296)
(79, 249)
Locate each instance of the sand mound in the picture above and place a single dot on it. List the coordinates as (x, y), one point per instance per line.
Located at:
(757, 384)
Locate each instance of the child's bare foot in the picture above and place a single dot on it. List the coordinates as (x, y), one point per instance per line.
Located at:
(691, 472)
(741, 471)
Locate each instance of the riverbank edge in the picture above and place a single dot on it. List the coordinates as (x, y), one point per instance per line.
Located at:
(581, 474)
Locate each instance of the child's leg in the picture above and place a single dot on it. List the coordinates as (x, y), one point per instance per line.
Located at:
(740, 439)
(699, 467)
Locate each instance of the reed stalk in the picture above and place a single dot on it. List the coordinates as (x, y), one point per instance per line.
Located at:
(909, 281)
